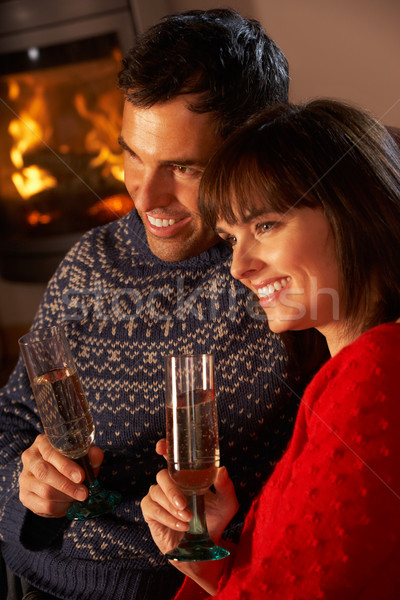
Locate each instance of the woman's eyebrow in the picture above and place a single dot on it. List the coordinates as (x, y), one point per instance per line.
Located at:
(256, 213)
(219, 230)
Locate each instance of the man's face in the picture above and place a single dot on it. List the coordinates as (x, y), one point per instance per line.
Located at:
(166, 148)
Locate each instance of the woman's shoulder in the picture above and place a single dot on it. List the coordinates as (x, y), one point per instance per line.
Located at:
(365, 368)
(376, 344)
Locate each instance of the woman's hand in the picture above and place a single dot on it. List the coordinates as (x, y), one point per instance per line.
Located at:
(165, 507)
(166, 513)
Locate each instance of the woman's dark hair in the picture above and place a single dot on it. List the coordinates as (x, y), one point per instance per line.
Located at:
(227, 59)
(323, 154)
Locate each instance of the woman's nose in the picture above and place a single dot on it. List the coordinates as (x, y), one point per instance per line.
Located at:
(245, 263)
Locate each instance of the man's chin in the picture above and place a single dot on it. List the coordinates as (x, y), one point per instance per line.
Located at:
(174, 250)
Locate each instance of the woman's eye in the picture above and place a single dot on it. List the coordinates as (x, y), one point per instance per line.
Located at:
(230, 240)
(265, 227)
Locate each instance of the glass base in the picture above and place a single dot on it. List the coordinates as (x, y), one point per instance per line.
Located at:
(98, 503)
(196, 550)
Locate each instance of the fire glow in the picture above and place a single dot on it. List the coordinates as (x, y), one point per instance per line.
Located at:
(47, 156)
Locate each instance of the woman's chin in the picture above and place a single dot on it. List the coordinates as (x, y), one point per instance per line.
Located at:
(280, 325)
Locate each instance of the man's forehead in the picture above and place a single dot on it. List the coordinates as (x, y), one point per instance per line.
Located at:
(171, 130)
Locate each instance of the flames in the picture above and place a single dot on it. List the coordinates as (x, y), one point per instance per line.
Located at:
(103, 128)
(38, 153)
(28, 131)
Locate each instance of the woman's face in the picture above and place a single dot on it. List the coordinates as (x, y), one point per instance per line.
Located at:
(289, 261)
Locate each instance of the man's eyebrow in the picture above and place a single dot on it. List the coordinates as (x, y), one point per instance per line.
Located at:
(185, 162)
(182, 162)
(124, 145)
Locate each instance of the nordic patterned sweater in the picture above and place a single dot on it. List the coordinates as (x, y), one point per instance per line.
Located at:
(124, 310)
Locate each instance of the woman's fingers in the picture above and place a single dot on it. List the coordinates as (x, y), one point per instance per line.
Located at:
(156, 508)
(174, 495)
(167, 523)
(222, 506)
(161, 447)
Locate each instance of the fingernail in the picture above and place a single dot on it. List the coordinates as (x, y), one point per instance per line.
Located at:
(179, 503)
(223, 473)
(80, 493)
(76, 476)
(183, 514)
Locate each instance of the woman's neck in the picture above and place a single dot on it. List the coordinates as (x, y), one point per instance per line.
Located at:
(339, 335)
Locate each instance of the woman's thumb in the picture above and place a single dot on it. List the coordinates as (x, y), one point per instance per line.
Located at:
(224, 487)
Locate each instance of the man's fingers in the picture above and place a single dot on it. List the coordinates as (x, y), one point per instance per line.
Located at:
(46, 482)
(62, 464)
(96, 456)
(46, 476)
(44, 507)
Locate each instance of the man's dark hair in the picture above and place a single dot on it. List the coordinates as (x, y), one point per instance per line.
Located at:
(227, 59)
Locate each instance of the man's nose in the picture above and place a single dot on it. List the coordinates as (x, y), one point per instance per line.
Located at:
(152, 191)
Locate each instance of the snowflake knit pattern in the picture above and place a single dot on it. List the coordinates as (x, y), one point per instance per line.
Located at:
(124, 310)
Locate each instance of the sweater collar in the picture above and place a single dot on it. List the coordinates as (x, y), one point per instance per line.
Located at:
(134, 235)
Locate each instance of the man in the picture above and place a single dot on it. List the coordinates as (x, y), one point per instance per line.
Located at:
(154, 283)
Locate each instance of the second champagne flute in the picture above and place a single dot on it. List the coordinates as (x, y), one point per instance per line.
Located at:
(192, 446)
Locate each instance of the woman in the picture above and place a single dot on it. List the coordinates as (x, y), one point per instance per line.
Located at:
(309, 199)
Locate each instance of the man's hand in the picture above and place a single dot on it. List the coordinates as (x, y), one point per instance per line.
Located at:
(50, 482)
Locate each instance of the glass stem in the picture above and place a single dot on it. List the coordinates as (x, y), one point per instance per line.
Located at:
(90, 479)
(198, 525)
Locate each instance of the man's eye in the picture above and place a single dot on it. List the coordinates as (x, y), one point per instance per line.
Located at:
(182, 170)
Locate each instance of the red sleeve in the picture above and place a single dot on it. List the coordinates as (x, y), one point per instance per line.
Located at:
(327, 524)
(191, 591)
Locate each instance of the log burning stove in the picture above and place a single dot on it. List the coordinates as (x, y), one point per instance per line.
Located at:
(61, 169)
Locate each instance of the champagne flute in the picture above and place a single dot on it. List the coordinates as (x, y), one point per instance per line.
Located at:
(64, 411)
(192, 446)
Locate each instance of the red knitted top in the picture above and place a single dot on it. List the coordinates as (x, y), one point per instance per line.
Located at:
(327, 523)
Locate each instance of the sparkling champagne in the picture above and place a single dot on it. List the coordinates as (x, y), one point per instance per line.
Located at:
(192, 440)
(64, 410)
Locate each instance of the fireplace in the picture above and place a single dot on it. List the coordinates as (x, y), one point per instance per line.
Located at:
(61, 169)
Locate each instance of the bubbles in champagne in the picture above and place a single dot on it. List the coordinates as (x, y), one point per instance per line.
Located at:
(192, 439)
(64, 412)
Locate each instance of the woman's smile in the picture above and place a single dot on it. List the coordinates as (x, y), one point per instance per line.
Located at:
(289, 261)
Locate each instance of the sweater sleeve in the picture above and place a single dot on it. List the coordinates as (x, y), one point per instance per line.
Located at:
(327, 523)
(19, 426)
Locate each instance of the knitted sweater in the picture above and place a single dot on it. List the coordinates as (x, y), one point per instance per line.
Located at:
(327, 524)
(124, 309)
